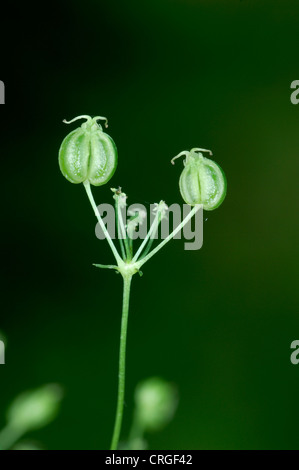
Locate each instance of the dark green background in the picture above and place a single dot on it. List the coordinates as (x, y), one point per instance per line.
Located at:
(169, 75)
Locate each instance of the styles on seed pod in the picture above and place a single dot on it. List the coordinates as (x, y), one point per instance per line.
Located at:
(202, 181)
(88, 154)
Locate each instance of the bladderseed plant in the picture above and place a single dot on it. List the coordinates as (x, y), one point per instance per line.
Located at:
(88, 155)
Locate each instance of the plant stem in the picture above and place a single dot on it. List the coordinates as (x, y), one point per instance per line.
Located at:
(124, 233)
(152, 231)
(97, 214)
(9, 436)
(150, 243)
(176, 230)
(122, 361)
(118, 229)
(136, 434)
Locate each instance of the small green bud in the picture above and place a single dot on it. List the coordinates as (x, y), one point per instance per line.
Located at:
(35, 408)
(156, 402)
(202, 181)
(88, 153)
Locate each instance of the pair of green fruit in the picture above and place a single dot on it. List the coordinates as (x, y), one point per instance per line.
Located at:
(89, 154)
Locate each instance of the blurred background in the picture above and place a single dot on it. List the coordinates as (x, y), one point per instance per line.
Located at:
(169, 75)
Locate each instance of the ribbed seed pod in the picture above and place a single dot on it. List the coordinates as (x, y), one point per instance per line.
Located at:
(88, 154)
(202, 181)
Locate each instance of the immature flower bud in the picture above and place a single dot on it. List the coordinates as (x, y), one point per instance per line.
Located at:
(202, 180)
(120, 197)
(35, 408)
(161, 209)
(156, 402)
(88, 153)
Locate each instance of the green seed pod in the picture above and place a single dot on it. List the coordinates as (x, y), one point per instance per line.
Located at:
(202, 181)
(88, 153)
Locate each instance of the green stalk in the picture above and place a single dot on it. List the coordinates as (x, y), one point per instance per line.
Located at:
(176, 230)
(151, 241)
(119, 235)
(97, 214)
(9, 436)
(127, 277)
(150, 236)
(124, 234)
